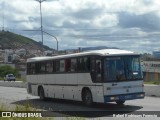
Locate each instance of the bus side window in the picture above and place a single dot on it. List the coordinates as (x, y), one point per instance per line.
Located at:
(49, 67)
(93, 71)
(67, 65)
(42, 67)
(98, 70)
(57, 66)
(32, 68)
(84, 64)
(62, 66)
(73, 65)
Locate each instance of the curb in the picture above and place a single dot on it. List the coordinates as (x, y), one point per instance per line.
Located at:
(13, 84)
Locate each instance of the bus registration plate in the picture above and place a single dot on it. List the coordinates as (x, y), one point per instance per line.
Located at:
(128, 96)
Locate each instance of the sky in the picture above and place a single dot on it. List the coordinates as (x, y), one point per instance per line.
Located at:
(127, 24)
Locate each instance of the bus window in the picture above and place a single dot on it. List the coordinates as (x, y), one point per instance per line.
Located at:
(84, 64)
(67, 65)
(42, 67)
(114, 68)
(57, 66)
(62, 66)
(73, 65)
(98, 70)
(122, 68)
(31, 68)
(49, 67)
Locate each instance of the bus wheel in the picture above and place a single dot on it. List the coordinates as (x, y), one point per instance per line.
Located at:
(41, 93)
(120, 102)
(87, 98)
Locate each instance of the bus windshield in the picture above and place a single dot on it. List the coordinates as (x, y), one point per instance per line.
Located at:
(122, 68)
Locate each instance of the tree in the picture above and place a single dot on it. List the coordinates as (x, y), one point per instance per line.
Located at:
(6, 69)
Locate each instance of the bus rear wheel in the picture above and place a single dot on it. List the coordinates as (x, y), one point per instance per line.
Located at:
(41, 93)
(120, 102)
(87, 98)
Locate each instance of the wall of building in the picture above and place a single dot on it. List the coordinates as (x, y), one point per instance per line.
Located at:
(151, 70)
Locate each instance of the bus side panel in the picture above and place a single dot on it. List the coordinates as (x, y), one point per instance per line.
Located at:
(84, 79)
(78, 92)
(97, 93)
(71, 79)
(60, 79)
(34, 90)
(59, 92)
(70, 92)
(41, 78)
(32, 78)
(51, 91)
(51, 79)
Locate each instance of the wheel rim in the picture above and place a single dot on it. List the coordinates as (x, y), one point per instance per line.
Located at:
(41, 93)
(88, 98)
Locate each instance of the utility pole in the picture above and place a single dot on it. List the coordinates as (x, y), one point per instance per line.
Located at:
(3, 17)
(54, 38)
(40, 2)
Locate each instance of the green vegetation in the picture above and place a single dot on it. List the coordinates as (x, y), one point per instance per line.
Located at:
(152, 82)
(6, 69)
(9, 40)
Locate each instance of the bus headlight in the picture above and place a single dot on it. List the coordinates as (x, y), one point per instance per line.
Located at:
(140, 95)
(112, 98)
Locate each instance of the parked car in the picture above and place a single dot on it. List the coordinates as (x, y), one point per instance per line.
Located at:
(9, 77)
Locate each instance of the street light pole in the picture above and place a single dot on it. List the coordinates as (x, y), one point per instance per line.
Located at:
(40, 2)
(54, 38)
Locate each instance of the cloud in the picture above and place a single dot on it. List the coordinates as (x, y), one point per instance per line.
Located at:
(148, 21)
(127, 24)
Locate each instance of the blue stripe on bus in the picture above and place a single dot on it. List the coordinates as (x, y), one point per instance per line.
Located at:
(123, 97)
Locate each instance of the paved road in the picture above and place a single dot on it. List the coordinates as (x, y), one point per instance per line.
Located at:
(18, 96)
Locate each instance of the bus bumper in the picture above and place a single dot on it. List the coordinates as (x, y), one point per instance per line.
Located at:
(123, 97)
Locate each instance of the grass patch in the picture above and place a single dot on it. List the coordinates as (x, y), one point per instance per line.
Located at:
(152, 82)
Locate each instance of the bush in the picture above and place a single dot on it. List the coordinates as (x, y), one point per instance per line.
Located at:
(6, 69)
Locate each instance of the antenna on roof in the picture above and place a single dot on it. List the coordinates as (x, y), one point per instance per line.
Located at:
(3, 17)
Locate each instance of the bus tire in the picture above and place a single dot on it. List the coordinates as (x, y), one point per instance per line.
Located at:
(87, 97)
(120, 102)
(41, 93)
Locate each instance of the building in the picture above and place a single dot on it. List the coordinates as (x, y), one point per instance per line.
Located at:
(156, 53)
(151, 70)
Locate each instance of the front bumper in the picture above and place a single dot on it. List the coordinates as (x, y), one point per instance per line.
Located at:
(123, 97)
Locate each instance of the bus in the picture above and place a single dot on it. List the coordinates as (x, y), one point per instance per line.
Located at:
(98, 76)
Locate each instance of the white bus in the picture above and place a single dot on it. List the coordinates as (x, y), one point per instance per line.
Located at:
(109, 75)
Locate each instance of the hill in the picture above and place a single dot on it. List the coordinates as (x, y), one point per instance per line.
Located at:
(9, 40)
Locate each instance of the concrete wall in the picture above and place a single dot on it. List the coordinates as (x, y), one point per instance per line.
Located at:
(13, 84)
(152, 90)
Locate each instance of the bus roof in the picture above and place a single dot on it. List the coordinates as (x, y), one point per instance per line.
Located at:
(104, 52)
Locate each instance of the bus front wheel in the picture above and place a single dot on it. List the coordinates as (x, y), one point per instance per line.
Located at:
(41, 93)
(87, 98)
